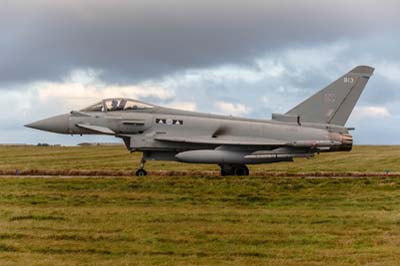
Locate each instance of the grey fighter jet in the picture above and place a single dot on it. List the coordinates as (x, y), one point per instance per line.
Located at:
(315, 125)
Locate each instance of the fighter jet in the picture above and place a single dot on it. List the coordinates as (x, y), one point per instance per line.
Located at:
(313, 126)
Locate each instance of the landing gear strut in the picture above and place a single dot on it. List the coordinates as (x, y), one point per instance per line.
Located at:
(236, 170)
(141, 171)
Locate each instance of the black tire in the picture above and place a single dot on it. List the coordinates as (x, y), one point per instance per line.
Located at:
(224, 173)
(234, 170)
(241, 171)
(141, 172)
(246, 171)
(226, 170)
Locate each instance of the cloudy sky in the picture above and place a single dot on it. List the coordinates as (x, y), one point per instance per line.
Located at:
(245, 58)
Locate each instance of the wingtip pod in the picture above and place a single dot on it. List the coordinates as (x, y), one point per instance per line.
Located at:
(365, 71)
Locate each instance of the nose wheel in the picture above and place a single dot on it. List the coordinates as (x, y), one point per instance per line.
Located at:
(141, 171)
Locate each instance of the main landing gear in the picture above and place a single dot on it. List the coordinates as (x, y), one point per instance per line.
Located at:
(234, 169)
(141, 171)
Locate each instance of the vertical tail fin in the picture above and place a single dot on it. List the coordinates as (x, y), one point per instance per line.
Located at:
(334, 104)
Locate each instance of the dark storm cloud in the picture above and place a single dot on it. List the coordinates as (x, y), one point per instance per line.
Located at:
(136, 40)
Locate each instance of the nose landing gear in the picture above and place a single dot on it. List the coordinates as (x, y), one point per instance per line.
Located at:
(141, 171)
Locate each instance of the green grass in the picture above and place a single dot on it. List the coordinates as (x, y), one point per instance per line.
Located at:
(207, 221)
(361, 159)
(192, 220)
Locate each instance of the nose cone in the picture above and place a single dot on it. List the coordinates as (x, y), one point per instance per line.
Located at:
(57, 124)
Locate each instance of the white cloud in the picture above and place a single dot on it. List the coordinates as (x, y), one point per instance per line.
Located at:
(270, 67)
(187, 106)
(313, 59)
(75, 94)
(273, 83)
(259, 70)
(370, 112)
(84, 87)
(80, 89)
(232, 108)
(226, 73)
(389, 70)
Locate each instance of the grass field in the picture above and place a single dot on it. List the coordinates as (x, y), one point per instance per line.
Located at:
(191, 220)
(362, 159)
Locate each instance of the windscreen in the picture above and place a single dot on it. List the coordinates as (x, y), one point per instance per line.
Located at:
(124, 105)
(98, 107)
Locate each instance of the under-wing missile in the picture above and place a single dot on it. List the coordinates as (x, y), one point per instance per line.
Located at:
(281, 153)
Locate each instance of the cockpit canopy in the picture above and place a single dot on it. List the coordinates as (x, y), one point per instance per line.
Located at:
(117, 104)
